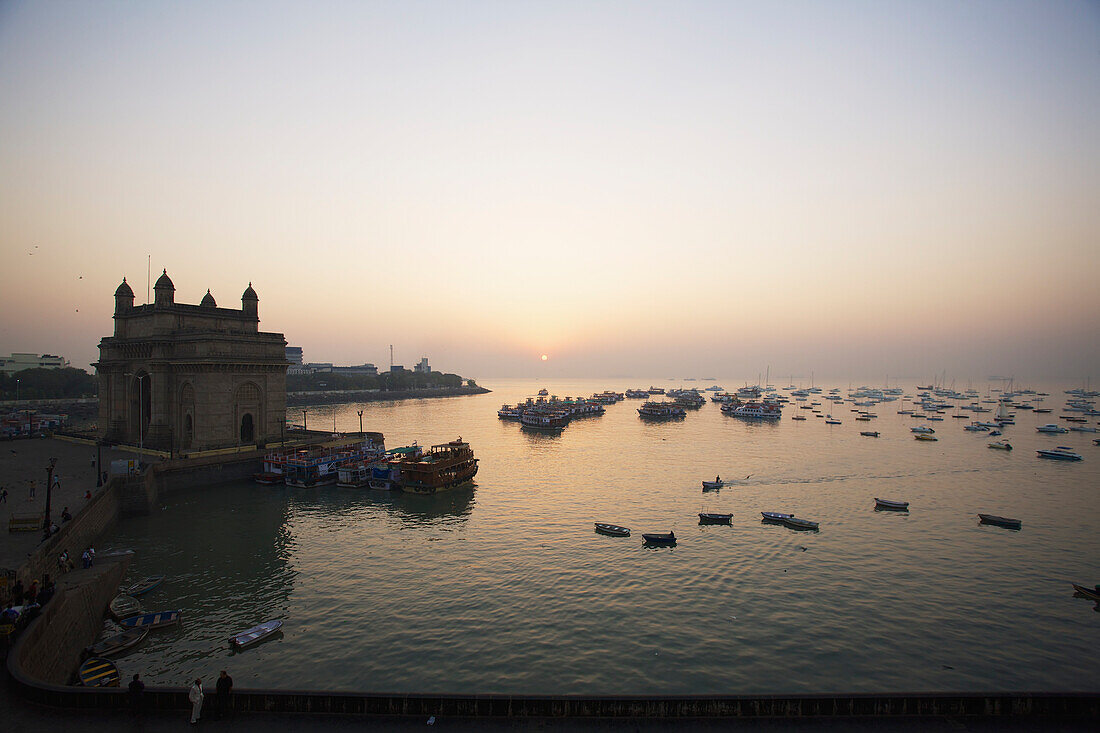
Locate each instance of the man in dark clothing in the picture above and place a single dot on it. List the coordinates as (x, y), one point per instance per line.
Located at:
(137, 687)
(225, 689)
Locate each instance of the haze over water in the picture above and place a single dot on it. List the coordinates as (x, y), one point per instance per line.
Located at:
(504, 587)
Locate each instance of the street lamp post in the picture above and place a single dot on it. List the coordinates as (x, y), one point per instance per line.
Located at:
(282, 431)
(49, 492)
(17, 390)
(360, 423)
(334, 419)
(305, 422)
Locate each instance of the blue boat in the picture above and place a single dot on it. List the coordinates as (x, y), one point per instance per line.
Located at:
(157, 620)
(144, 585)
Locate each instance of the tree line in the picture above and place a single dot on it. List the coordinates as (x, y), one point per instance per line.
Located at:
(386, 382)
(47, 384)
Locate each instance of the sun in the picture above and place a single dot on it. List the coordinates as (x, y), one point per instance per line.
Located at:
(545, 357)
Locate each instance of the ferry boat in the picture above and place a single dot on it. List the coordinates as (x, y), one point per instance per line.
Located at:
(1051, 428)
(750, 392)
(661, 410)
(443, 467)
(318, 465)
(754, 410)
(543, 392)
(545, 420)
(510, 412)
(656, 390)
(637, 394)
(691, 400)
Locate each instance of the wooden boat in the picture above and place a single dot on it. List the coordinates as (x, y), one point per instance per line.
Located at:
(714, 518)
(613, 530)
(117, 643)
(796, 523)
(157, 620)
(1093, 594)
(1001, 445)
(775, 516)
(124, 606)
(869, 433)
(1000, 521)
(268, 478)
(660, 539)
(896, 506)
(99, 672)
(145, 585)
(442, 467)
(925, 436)
(711, 485)
(255, 635)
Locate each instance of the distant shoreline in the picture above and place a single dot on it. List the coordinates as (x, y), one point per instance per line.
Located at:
(335, 397)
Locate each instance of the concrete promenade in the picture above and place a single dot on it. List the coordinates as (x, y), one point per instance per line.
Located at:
(23, 461)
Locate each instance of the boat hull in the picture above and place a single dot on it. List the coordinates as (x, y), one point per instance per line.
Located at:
(99, 672)
(612, 530)
(159, 620)
(1005, 522)
(118, 643)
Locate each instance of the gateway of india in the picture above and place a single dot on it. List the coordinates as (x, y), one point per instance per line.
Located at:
(184, 378)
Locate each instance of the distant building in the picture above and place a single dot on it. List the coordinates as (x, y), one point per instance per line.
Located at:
(396, 369)
(294, 354)
(190, 377)
(17, 362)
(368, 369)
(422, 367)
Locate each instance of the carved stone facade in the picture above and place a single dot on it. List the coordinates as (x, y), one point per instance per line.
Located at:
(190, 377)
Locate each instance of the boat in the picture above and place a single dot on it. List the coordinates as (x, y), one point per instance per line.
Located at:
(995, 433)
(660, 539)
(1082, 429)
(255, 635)
(443, 467)
(924, 436)
(869, 433)
(612, 530)
(510, 412)
(543, 392)
(268, 478)
(1051, 428)
(711, 485)
(921, 429)
(1096, 441)
(99, 672)
(714, 518)
(124, 606)
(1093, 594)
(798, 417)
(545, 420)
(655, 390)
(117, 643)
(1042, 410)
(637, 394)
(1061, 453)
(896, 506)
(795, 523)
(144, 585)
(775, 516)
(1000, 521)
(1001, 445)
(754, 410)
(975, 428)
(357, 475)
(318, 465)
(830, 420)
(157, 620)
(661, 411)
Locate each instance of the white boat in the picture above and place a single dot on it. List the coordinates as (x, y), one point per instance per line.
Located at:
(1051, 428)
(255, 635)
(897, 506)
(755, 411)
(1061, 453)
(921, 429)
(975, 427)
(1082, 429)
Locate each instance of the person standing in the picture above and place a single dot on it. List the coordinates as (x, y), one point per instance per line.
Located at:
(137, 687)
(3, 495)
(195, 698)
(225, 689)
(34, 485)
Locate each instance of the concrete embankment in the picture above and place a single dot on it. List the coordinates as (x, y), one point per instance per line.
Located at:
(299, 399)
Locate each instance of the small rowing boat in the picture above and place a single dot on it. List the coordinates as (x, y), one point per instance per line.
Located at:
(896, 506)
(255, 635)
(714, 518)
(775, 516)
(660, 539)
(869, 433)
(124, 606)
(157, 620)
(1093, 594)
(709, 485)
(1005, 522)
(144, 585)
(98, 672)
(796, 523)
(612, 530)
(117, 643)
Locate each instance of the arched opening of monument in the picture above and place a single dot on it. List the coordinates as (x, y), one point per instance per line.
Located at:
(140, 406)
(246, 428)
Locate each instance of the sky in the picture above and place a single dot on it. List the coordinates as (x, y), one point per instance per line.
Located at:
(645, 188)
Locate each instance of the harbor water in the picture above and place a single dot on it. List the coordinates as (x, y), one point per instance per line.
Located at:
(504, 587)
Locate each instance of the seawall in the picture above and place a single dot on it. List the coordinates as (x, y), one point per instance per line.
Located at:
(299, 399)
